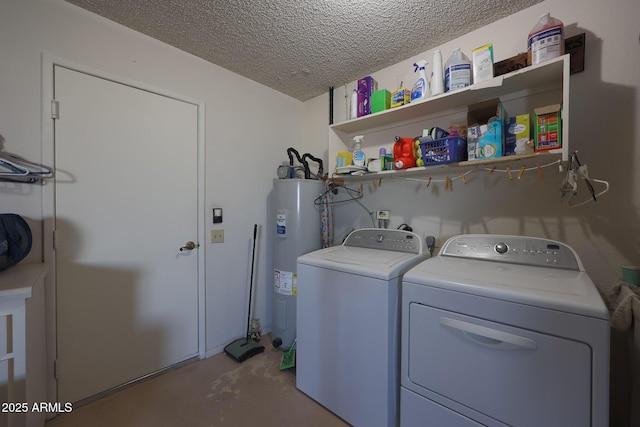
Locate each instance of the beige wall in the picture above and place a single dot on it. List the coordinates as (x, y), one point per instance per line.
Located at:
(240, 165)
(248, 128)
(605, 129)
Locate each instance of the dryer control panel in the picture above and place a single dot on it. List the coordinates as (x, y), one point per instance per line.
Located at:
(513, 249)
(386, 239)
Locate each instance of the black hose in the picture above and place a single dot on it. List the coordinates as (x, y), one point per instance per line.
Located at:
(301, 160)
(315, 159)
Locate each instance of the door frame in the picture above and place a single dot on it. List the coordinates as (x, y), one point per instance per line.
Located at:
(48, 201)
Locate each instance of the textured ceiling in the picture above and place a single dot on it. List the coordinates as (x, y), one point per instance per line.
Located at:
(302, 47)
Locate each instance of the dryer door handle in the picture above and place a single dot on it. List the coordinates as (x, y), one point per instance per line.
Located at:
(489, 337)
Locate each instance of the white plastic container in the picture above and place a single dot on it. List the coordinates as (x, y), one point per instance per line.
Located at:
(354, 104)
(546, 40)
(437, 79)
(457, 71)
(421, 86)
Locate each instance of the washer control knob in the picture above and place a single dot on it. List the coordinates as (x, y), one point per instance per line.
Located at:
(502, 248)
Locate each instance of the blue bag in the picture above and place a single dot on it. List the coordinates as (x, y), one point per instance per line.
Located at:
(15, 240)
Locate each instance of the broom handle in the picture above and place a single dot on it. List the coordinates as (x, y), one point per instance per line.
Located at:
(253, 254)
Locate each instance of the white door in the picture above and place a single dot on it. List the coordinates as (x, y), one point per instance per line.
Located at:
(125, 203)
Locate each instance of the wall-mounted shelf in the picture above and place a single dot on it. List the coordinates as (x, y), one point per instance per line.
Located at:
(520, 92)
(514, 162)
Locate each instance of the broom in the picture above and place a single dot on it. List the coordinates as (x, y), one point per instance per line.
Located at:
(244, 348)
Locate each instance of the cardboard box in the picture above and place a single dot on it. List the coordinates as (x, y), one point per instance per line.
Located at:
(482, 59)
(547, 128)
(574, 46)
(517, 134)
(508, 65)
(485, 135)
(380, 100)
(344, 158)
(366, 86)
(400, 97)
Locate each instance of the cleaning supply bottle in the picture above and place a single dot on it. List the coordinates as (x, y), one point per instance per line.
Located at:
(421, 86)
(437, 80)
(546, 40)
(359, 158)
(403, 153)
(354, 104)
(383, 158)
(457, 71)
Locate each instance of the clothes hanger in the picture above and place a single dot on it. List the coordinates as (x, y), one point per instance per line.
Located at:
(569, 187)
(14, 168)
(333, 188)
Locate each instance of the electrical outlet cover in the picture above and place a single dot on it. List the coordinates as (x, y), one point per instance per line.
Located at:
(217, 236)
(383, 215)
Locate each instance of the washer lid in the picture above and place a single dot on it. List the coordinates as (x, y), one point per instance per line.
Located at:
(382, 264)
(565, 290)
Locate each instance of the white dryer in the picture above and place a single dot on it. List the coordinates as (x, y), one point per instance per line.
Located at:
(348, 324)
(503, 331)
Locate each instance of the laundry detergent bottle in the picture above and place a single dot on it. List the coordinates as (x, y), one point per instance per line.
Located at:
(457, 71)
(403, 153)
(546, 40)
(421, 86)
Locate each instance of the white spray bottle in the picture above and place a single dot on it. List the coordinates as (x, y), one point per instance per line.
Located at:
(421, 86)
(359, 158)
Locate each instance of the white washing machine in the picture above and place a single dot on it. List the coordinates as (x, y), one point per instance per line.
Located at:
(348, 324)
(503, 331)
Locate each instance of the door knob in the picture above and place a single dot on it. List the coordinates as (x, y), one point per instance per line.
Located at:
(189, 246)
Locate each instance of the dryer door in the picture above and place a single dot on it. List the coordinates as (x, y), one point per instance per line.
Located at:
(515, 376)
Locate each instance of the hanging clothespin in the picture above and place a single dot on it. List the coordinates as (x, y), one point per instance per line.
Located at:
(429, 182)
(464, 178)
(379, 182)
(509, 173)
(491, 171)
(521, 172)
(539, 171)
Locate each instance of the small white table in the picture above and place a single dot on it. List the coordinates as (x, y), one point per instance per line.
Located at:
(22, 344)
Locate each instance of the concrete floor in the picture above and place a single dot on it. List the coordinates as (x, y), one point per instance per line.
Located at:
(217, 391)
